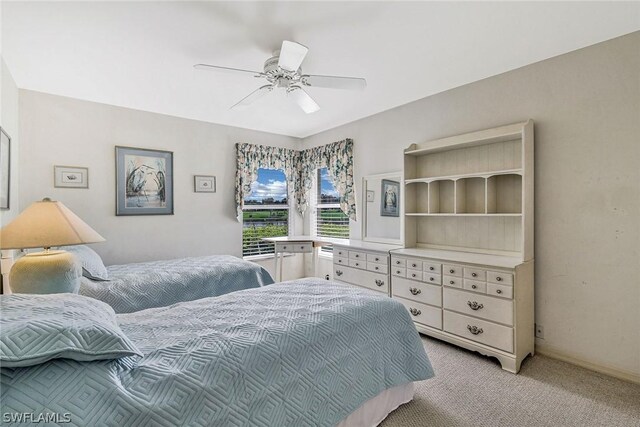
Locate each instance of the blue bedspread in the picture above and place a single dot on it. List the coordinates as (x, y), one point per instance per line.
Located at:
(300, 353)
(139, 286)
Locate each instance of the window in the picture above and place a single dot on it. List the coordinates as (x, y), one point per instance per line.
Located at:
(265, 213)
(330, 221)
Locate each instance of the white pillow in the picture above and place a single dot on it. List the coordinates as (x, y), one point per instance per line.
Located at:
(92, 265)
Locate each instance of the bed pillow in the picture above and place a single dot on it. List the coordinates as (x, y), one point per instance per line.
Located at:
(92, 265)
(38, 328)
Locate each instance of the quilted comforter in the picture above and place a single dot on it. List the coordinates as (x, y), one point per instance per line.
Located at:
(139, 286)
(300, 353)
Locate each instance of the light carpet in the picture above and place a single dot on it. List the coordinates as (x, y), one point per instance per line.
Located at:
(472, 390)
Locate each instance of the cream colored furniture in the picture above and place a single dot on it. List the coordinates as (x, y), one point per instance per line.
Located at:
(298, 244)
(363, 264)
(466, 274)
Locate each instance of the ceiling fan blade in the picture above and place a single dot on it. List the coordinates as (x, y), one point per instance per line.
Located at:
(333, 82)
(225, 69)
(252, 97)
(291, 55)
(303, 100)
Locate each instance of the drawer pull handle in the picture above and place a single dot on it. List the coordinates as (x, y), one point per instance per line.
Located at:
(415, 291)
(377, 259)
(452, 271)
(301, 247)
(431, 268)
(357, 256)
(397, 271)
(414, 265)
(498, 291)
(474, 275)
(474, 305)
(376, 268)
(431, 279)
(473, 286)
(413, 274)
(284, 247)
(397, 262)
(499, 279)
(451, 282)
(379, 282)
(415, 311)
(474, 330)
(338, 273)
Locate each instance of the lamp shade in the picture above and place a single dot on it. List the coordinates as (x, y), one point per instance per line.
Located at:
(44, 224)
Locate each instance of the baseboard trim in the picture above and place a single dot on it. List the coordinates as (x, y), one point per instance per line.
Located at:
(612, 372)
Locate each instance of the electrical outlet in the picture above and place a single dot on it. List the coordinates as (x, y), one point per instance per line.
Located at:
(539, 331)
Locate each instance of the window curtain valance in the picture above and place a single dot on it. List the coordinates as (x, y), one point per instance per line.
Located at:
(250, 158)
(300, 168)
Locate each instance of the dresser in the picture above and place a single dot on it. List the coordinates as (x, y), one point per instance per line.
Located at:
(466, 273)
(363, 264)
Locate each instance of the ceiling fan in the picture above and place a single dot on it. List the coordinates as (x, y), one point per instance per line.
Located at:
(283, 71)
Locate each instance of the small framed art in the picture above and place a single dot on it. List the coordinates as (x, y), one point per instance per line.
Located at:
(70, 177)
(390, 198)
(204, 184)
(144, 181)
(5, 169)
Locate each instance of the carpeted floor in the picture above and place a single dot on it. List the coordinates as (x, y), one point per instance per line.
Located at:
(472, 390)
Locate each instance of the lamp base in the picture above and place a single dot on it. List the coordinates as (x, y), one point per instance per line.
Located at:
(47, 272)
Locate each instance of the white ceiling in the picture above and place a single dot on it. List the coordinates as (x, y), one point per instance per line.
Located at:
(140, 54)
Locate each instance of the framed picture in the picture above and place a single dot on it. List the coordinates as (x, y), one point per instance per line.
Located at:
(204, 184)
(5, 169)
(70, 177)
(144, 181)
(390, 198)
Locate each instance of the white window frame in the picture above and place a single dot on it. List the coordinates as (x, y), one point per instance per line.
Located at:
(314, 205)
(290, 218)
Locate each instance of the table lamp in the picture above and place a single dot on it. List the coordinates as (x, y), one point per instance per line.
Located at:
(42, 225)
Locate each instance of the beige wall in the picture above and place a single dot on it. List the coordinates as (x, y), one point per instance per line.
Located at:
(586, 108)
(64, 131)
(9, 122)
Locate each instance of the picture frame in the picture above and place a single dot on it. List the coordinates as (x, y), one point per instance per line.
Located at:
(390, 198)
(5, 169)
(204, 184)
(70, 177)
(144, 181)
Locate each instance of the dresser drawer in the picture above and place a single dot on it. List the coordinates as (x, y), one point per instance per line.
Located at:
(341, 261)
(341, 252)
(452, 270)
(356, 263)
(475, 286)
(454, 282)
(379, 268)
(503, 291)
(377, 258)
(500, 277)
(436, 279)
(414, 274)
(362, 256)
(475, 274)
(367, 279)
(488, 333)
(490, 308)
(414, 264)
(398, 262)
(398, 271)
(415, 291)
(293, 247)
(431, 267)
(424, 314)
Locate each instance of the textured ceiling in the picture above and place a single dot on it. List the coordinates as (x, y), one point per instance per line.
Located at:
(140, 54)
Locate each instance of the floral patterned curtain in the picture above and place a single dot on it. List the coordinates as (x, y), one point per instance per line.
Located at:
(338, 159)
(250, 158)
(300, 169)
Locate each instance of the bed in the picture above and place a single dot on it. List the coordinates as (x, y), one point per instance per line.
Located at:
(138, 286)
(300, 353)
